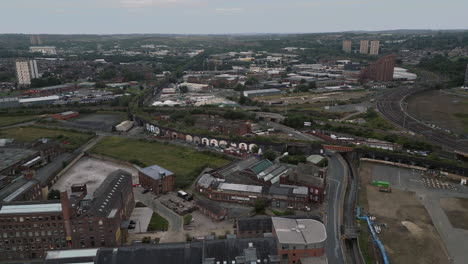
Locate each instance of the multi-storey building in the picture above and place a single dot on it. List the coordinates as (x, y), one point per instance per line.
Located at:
(25, 71)
(347, 45)
(81, 220)
(380, 70)
(364, 47)
(45, 50)
(157, 179)
(299, 239)
(280, 196)
(374, 47)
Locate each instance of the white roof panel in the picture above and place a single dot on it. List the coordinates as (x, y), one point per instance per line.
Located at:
(31, 208)
(240, 187)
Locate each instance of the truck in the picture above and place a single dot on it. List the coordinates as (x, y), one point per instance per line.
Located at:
(381, 184)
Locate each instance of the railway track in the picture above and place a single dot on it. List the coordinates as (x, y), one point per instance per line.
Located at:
(391, 107)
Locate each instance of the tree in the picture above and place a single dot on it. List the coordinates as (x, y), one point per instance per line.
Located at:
(100, 85)
(260, 206)
(270, 155)
(183, 89)
(255, 149)
(53, 195)
(251, 81)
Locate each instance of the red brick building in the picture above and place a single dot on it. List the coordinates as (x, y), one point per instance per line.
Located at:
(65, 115)
(211, 209)
(380, 70)
(299, 239)
(156, 178)
(29, 229)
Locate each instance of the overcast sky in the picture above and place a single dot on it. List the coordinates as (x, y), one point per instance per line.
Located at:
(227, 16)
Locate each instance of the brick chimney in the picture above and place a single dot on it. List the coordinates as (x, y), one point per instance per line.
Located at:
(29, 174)
(67, 211)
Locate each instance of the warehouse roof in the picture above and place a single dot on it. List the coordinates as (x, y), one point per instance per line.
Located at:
(11, 156)
(206, 180)
(240, 187)
(299, 231)
(31, 208)
(156, 172)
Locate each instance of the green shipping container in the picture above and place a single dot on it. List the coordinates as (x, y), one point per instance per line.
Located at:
(381, 184)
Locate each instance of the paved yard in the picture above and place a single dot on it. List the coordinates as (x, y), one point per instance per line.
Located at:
(142, 217)
(92, 172)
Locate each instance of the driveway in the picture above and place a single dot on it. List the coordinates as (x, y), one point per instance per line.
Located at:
(142, 217)
(175, 221)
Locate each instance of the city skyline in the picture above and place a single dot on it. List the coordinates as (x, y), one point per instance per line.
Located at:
(226, 17)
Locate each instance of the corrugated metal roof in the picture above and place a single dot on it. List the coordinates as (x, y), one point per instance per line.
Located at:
(31, 208)
(156, 172)
(240, 187)
(261, 166)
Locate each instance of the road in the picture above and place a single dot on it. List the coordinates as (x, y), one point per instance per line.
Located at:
(175, 221)
(296, 134)
(335, 192)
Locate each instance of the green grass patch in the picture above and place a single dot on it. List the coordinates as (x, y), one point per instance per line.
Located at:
(185, 162)
(69, 139)
(12, 120)
(187, 219)
(284, 213)
(366, 243)
(158, 223)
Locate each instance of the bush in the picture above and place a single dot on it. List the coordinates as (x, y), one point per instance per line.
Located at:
(270, 155)
(260, 206)
(53, 195)
(140, 204)
(187, 219)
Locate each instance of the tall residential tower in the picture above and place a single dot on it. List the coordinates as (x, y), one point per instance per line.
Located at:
(347, 45)
(25, 71)
(364, 47)
(374, 47)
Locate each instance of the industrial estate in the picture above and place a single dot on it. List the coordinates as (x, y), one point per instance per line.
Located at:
(222, 149)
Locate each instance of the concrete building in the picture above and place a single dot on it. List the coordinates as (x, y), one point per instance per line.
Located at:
(263, 92)
(299, 239)
(347, 45)
(80, 220)
(380, 70)
(25, 71)
(364, 47)
(45, 50)
(374, 47)
(157, 179)
(35, 40)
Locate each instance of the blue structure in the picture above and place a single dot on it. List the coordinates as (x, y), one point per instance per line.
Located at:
(374, 235)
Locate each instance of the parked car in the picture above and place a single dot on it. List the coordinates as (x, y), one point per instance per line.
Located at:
(145, 191)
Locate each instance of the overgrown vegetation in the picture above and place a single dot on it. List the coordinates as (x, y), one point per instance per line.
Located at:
(185, 162)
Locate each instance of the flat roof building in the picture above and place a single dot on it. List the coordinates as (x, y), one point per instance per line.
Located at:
(299, 238)
(263, 92)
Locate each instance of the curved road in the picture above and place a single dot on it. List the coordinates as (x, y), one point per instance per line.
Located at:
(335, 194)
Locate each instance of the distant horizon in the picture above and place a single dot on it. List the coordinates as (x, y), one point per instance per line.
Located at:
(221, 17)
(248, 33)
